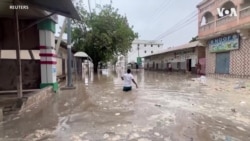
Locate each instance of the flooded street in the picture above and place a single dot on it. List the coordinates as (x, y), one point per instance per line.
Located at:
(165, 107)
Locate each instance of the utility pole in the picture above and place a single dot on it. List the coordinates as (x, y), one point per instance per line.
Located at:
(138, 48)
(69, 64)
(69, 55)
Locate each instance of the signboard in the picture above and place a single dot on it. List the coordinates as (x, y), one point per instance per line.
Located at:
(139, 60)
(226, 43)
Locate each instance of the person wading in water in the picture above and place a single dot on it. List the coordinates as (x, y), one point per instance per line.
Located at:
(128, 78)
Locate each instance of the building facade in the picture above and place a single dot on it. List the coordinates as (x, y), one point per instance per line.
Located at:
(141, 48)
(224, 27)
(182, 58)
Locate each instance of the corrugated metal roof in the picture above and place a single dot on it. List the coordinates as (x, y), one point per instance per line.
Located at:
(37, 8)
(185, 46)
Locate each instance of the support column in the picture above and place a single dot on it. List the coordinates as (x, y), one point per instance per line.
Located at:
(19, 62)
(48, 54)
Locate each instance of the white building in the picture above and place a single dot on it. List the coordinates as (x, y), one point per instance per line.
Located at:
(141, 48)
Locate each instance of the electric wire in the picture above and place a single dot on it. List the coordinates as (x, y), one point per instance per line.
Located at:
(178, 25)
(186, 24)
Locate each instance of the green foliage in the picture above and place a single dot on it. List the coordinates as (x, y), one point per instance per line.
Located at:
(194, 39)
(102, 35)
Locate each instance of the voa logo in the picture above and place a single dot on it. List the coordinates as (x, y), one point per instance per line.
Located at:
(224, 12)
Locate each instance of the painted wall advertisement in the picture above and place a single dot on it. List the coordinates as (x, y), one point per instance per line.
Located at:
(226, 43)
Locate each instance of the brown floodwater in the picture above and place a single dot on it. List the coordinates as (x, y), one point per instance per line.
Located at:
(165, 107)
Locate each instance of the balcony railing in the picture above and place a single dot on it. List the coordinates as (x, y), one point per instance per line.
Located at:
(207, 26)
(245, 12)
(226, 19)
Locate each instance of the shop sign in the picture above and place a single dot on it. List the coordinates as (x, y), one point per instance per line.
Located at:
(226, 43)
(139, 60)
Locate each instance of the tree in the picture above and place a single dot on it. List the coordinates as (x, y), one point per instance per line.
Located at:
(103, 34)
(194, 39)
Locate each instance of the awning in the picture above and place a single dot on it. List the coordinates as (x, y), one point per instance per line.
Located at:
(62, 7)
(81, 54)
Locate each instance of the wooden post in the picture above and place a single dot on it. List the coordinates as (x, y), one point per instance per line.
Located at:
(19, 74)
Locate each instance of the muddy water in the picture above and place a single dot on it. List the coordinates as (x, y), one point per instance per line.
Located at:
(165, 107)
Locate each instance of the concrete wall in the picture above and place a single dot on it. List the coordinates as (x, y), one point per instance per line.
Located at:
(30, 73)
(29, 39)
(36, 98)
(61, 61)
(201, 52)
(223, 24)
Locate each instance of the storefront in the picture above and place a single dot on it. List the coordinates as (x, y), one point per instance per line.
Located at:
(228, 54)
(181, 58)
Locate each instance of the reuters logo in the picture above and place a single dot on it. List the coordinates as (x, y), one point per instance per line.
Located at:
(19, 7)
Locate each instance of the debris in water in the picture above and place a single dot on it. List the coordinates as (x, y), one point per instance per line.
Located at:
(28, 111)
(233, 110)
(157, 134)
(240, 128)
(66, 104)
(242, 103)
(16, 118)
(144, 139)
(158, 105)
(105, 136)
(83, 134)
(115, 138)
(133, 136)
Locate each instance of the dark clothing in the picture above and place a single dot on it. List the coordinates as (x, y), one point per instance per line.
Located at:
(126, 89)
(137, 66)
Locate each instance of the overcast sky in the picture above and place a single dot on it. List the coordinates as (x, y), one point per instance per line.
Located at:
(153, 18)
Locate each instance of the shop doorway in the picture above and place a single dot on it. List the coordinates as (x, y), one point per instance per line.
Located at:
(189, 65)
(222, 63)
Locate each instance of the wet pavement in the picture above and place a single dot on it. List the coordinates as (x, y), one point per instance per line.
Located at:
(165, 107)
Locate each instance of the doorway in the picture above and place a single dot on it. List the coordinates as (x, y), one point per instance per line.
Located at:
(189, 65)
(222, 63)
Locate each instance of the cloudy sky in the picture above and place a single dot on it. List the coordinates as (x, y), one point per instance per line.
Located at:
(172, 21)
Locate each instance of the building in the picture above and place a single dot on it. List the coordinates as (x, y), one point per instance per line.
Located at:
(224, 28)
(141, 48)
(32, 43)
(181, 58)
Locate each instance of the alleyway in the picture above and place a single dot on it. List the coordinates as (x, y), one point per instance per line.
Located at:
(164, 108)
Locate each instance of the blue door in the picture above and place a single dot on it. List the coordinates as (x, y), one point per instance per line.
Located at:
(222, 63)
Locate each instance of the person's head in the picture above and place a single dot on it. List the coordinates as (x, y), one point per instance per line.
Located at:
(128, 71)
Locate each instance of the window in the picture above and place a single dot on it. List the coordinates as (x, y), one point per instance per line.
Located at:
(145, 51)
(145, 45)
(158, 45)
(138, 45)
(151, 45)
(152, 52)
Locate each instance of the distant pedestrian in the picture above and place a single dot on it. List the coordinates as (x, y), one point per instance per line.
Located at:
(137, 67)
(198, 67)
(128, 78)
